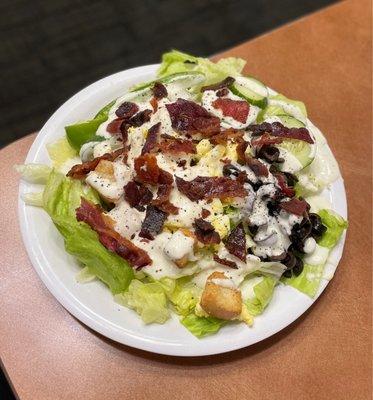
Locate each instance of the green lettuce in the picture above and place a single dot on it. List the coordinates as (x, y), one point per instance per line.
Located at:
(34, 173)
(185, 296)
(263, 293)
(61, 197)
(33, 199)
(202, 326)
(60, 151)
(308, 281)
(149, 300)
(84, 132)
(335, 226)
(175, 61)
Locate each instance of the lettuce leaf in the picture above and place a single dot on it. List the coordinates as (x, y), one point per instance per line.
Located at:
(185, 296)
(263, 293)
(176, 61)
(34, 173)
(335, 226)
(149, 300)
(60, 151)
(202, 326)
(60, 199)
(33, 199)
(308, 281)
(85, 131)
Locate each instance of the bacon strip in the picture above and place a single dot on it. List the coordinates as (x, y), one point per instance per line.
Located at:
(294, 206)
(256, 166)
(279, 130)
(153, 222)
(189, 117)
(210, 187)
(228, 81)
(137, 195)
(285, 189)
(236, 109)
(176, 146)
(205, 232)
(224, 261)
(229, 134)
(80, 171)
(148, 171)
(112, 240)
(162, 201)
(266, 139)
(236, 242)
(151, 139)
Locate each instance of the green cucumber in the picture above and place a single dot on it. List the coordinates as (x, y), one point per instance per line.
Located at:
(290, 122)
(303, 151)
(250, 89)
(185, 79)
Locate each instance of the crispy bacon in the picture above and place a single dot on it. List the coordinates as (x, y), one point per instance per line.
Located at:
(266, 139)
(189, 117)
(225, 83)
(80, 171)
(205, 213)
(205, 232)
(153, 222)
(140, 118)
(176, 146)
(148, 171)
(162, 201)
(229, 134)
(256, 166)
(224, 261)
(282, 182)
(114, 126)
(154, 103)
(236, 242)
(210, 187)
(236, 109)
(127, 110)
(159, 91)
(112, 240)
(279, 130)
(151, 139)
(137, 195)
(240, 149)
(294, 206)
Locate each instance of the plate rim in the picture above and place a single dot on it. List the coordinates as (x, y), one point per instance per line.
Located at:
(88, 316)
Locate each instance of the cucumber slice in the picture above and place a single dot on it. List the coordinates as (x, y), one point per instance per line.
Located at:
(184, 79)
(290, 121)
(290, 107)
(303, 151)
(252, 90)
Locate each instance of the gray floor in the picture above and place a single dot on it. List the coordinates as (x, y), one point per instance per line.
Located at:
(51, 49)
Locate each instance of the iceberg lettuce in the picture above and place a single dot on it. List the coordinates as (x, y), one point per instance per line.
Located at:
(335, 225)
(202, 326)
(61, 197)
(263, 292)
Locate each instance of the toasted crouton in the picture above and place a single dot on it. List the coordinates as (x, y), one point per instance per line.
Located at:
(221, 301)
(105, 169)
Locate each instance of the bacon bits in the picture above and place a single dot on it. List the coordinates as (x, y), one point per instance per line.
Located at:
(114, 126)
(92, 215)
(210, 187)
(153, 222)
(256, 166)
(205, 232)
(177, 146)
(236, 242)
(137, 195)
(127, 110)
(80, 171)
(159, 91)
(224, 261)
(225, 83)
(282, 182)
(162, 201)
(148, 171)
(281, 131)
(151, 139)
(236, 109)
(229, 134)
(189, 117)
(140, 118)
(294, 206)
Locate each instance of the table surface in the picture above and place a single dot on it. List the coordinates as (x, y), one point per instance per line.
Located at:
(323, 59)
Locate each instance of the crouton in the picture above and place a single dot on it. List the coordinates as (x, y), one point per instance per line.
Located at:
(105, 169)
(221, 301)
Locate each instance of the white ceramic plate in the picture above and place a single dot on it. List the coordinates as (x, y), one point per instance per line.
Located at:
(93, 303)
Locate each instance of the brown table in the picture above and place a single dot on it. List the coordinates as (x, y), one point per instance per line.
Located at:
(323, 59)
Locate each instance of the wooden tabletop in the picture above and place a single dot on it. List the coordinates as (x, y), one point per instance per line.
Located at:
(323, 59)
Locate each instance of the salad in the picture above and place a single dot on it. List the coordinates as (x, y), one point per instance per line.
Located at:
(196, 194)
